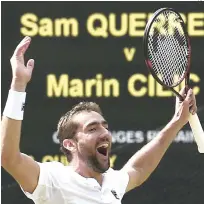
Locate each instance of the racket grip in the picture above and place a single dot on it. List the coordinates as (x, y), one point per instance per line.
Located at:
(197, 131)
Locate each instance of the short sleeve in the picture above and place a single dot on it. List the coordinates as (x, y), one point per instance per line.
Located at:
(118, 181)
(45, 186)
(122, 179)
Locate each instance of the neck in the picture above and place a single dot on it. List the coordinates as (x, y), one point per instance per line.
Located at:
(81, 168)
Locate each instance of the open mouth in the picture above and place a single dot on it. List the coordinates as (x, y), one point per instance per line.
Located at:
(103, 149)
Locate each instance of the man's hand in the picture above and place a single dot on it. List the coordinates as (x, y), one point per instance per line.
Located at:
(184, 108)
(21, 73)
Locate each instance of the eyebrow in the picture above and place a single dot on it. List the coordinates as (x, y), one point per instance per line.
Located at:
(104, 122)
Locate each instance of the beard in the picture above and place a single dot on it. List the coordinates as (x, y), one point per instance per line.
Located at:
(93, 162)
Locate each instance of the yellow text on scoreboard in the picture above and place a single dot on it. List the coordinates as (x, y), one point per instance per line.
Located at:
(137, 85)
(101, 25)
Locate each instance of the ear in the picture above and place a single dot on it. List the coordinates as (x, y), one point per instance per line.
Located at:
(69, 145)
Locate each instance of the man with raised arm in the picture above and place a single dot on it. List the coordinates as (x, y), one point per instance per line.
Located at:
(86, 141)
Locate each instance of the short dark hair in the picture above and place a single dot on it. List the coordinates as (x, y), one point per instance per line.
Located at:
(66, 128)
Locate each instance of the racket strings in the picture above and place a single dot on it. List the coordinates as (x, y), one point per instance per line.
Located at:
(167, 73)
(171, 59)
(168, 49)
(163, 74)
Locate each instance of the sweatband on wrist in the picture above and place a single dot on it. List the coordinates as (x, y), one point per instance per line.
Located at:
(14, 108)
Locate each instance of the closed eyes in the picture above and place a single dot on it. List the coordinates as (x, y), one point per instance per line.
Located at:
(94, 129)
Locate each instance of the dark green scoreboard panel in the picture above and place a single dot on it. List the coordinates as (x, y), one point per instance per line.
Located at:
(93, 51)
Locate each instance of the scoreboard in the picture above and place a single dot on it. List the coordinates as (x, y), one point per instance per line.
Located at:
(93, 51)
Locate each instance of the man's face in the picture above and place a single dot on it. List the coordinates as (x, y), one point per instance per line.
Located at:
(93, 140)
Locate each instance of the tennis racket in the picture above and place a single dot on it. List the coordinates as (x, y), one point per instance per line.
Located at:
(167, 54)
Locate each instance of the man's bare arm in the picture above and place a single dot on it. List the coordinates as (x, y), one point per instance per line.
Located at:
(23, 168)
(143, 163)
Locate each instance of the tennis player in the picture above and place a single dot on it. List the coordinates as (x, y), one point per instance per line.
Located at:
(86, 141)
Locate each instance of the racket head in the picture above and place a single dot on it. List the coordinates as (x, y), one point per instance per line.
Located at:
(182, 49)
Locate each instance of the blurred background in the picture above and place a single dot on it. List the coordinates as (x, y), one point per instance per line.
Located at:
(93, 51)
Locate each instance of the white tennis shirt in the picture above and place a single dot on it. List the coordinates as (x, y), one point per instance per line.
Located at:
(59, 184)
